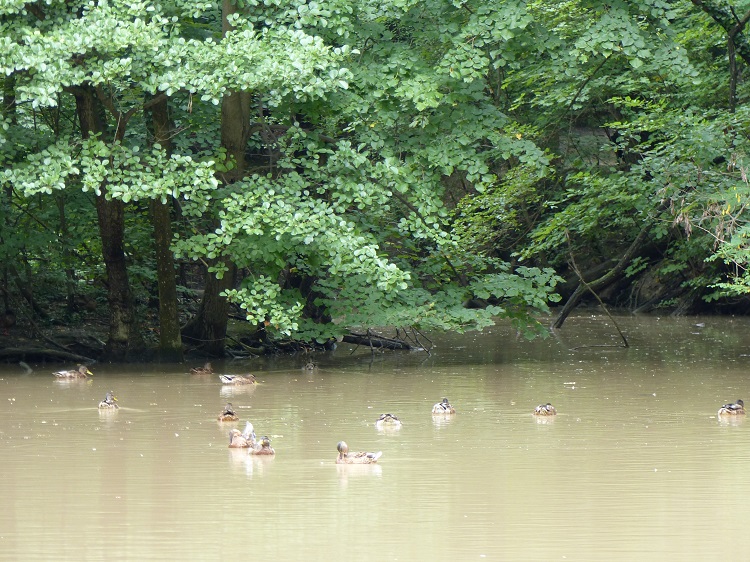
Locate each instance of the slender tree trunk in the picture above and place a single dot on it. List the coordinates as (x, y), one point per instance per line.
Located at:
(9, 99)
(170, 340)
(124, 341)
(8, 111)
(208, 329)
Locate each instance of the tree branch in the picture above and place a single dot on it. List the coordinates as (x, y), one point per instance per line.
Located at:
(733, 27)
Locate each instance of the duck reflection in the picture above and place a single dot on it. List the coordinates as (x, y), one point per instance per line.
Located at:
(107, 415)
(348, 471)
(229, 390)
(440, 421)
(731, 420)
(251, 465)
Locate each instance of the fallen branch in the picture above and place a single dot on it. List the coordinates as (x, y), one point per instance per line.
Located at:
(374, 341)
(603, 281)
(591, 290)
(41, 354)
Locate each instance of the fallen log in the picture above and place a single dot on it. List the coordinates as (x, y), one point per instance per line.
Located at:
(40, 354)
(375, 341)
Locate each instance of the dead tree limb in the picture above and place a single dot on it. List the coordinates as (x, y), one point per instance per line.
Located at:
(609, 277)
(374, 341)
(588, 287)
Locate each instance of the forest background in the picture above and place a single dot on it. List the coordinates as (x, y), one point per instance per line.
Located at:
(295, 169)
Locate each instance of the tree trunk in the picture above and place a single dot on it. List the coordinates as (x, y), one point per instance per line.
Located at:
(9, 100)
(209, 327)
(124, 341)
(170, 340)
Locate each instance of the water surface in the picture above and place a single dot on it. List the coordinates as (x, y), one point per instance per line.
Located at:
(635, 466)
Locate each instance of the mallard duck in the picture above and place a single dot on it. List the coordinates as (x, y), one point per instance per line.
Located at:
(545, 410)
(443, 408)
(205, 370)
(237, 440)
(228, 414)
(388, 420)
(109, 402)
(80, 373)
(263, 447)
(735, 409)
(345, 457)
(237, 379)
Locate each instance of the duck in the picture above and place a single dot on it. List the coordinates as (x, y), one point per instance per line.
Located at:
(734, 409)
(345, 457)
(205, 370)
(242, 439)
(263, 447)
(237, 440)
(237, 379)
(80, 373)
(545, 410)
(109, 402)
(309, 366)
(443, 408)
(228, 414)
(387, 420)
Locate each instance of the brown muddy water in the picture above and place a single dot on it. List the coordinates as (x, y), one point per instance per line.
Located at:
(635, 466)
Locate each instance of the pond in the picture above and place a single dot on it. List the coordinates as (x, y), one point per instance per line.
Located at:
(636, 465)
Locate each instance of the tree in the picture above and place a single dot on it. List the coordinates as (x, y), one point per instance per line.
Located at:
(103, 56)
(170, 340)
(329, 152)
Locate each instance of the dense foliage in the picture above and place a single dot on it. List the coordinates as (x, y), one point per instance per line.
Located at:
(427, 164)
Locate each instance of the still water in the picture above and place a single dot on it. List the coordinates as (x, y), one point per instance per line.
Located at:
(635, 466)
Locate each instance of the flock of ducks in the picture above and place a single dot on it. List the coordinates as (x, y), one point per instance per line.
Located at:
(247, 440)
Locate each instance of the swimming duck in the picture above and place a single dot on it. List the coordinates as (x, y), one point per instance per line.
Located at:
(387, 420)
(263, 447)
(228, 414)
(345, 457)
(109, 402)
(237, 440)
(443, 408)
(205, 370)
(545, 410)
(735, 409)
(80, 373)
(237, 379)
